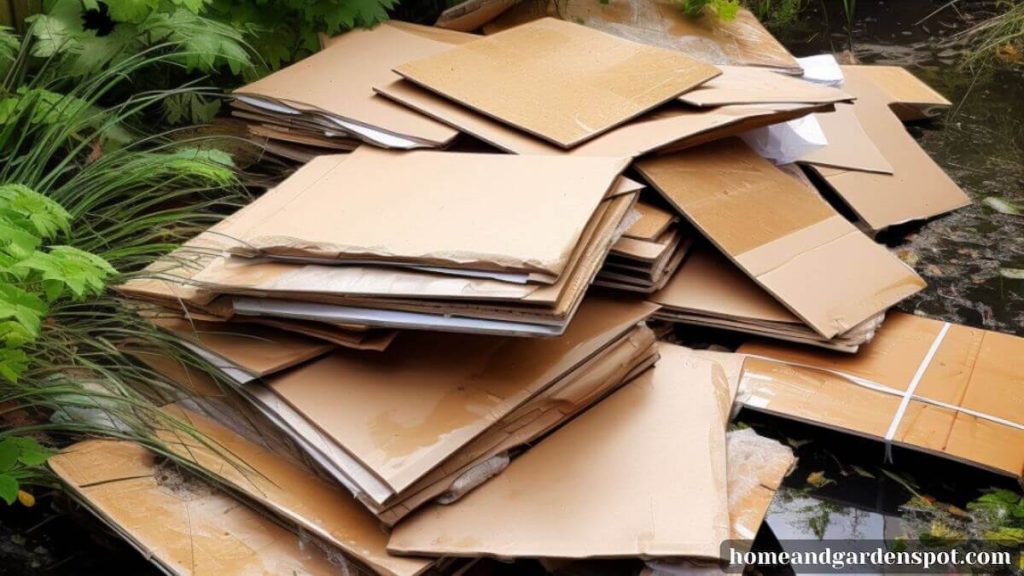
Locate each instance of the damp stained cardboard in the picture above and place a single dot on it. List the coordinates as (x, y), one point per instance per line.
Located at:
(753, 85)
(957, 370)
(917, 188)
(559, 81)
(457, 210)
(289, 491)
(741, 41)
(783, 235)
(641, 474)
(404, 411)
(189, 528)
(338, 81)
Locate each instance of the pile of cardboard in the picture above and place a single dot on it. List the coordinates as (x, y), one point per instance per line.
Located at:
(404, 354)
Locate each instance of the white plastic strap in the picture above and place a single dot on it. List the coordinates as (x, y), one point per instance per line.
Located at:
(898, 417)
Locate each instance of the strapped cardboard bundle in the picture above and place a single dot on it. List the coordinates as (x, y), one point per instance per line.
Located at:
(923, 384)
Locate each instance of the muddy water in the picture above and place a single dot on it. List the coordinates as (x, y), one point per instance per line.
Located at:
(970, 256)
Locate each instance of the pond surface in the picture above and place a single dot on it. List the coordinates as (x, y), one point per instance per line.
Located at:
(969, 259)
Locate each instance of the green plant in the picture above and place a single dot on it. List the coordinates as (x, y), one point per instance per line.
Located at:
(725, 10)
(1000, 37)
(775, 12)
(20, 459)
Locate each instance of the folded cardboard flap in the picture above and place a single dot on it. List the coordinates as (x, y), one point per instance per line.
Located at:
(642, 474)
(908, 97)
(741, 41)
(753, 85)
(917, 189)
(938, 387)
(290, 491)
(366, 58)
(557, 80)
(784, 236)
(186, 526)
(471, 211)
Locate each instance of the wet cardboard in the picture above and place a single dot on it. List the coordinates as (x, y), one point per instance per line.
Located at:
(674, 123)
(402, 412)
(972, 368)
(339, 79)
(469, 211)
(641, 474)
(187, 527)
(753, 85)
(710, 290)
(917, 188)
(909, 98)
(782, 235)
(742, 41)
(290, 491)
(557, 80)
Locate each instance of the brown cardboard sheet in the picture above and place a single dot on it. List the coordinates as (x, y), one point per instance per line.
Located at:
(910, 98)
(404, 411)
(917, 189)
(456, 210)
(959, 388)
(672, 124)
(709, 290)
(742, 41)
(290, 491)
(259, 351)
(557, 80)
(187, 527)
(753, 85)
(338, 81)
(782, 235)
(652, 223)
(568, 397)
(641, 474)
(849, 146)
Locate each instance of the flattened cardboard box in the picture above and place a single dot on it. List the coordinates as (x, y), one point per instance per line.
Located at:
(559, 81)
(456, 210)
(641, 474)
(784, 236)
(673, 124)
(709, 290)
(339, 79)
(402, 412)
(927, 385)
(290, 491)
(917, 188)
(187, 527)
(742, 41)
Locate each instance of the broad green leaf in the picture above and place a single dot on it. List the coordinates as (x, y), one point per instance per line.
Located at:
(14, 334)
(13, 364)
(46, 217)
(23, 307)
(31, 452)
(9, 452)
(131, 10)
(52, 34)
(8, 489)
(81, 272)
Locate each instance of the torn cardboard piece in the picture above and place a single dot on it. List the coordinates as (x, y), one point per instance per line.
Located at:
(557, 80)
(784, 236)
(742, 41)
(289, 491)
(314, 89)
(185, 526)
(927, 385)
(709, 290)
(917, 188)
(670, 500)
